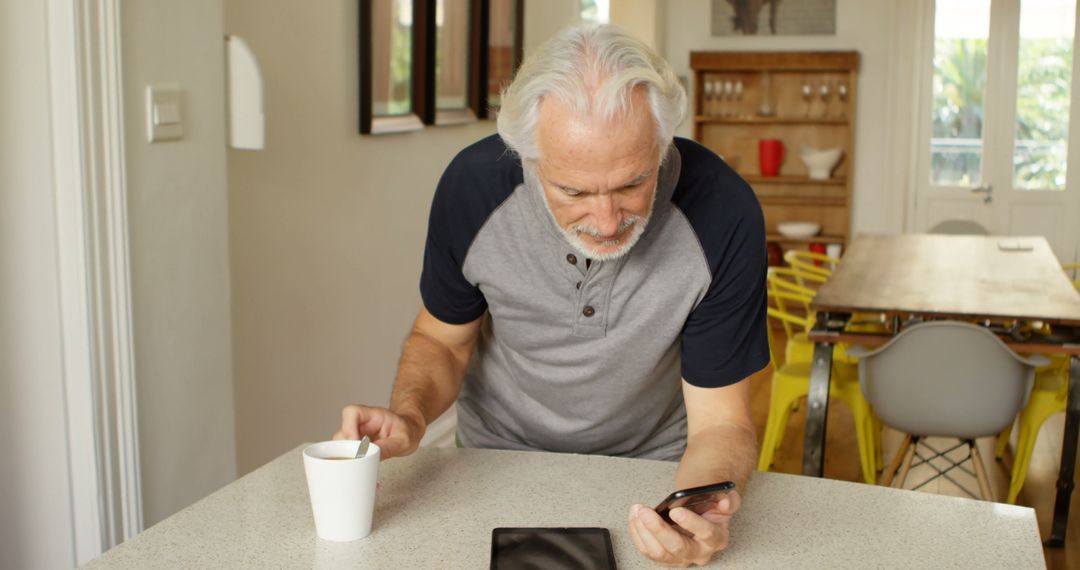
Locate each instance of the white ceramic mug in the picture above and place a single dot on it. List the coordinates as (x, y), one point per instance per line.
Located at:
(342, 491)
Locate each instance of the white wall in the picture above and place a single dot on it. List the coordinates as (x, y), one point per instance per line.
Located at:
(861, 25)
(35, 512)
(327, 227)
(178, 219)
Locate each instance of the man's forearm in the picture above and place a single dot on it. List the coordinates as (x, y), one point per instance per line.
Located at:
(721, 453)
(429, 378)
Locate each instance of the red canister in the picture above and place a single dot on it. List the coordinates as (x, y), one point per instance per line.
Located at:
(817, 248)
(770, 156)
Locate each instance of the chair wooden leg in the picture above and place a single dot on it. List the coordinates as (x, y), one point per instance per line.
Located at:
(886, 477)
(980, 472)
(879, 461)
(907, 461)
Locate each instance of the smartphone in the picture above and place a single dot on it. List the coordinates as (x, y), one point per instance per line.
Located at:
(697, 499)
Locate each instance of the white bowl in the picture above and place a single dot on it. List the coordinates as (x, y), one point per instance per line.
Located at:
(820, 162)
(798, 229)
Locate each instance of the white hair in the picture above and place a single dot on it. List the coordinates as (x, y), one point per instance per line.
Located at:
(594, 71)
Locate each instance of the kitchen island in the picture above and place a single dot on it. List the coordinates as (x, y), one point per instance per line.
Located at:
(437, 507)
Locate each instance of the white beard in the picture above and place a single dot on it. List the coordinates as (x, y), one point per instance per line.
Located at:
(573, 234)
(635, 225)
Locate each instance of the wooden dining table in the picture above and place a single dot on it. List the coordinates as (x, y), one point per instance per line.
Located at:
(1007, 283)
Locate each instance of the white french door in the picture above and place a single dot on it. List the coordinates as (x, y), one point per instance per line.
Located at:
(994, 130)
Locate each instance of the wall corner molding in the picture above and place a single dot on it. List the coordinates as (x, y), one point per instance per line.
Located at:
(89, 182)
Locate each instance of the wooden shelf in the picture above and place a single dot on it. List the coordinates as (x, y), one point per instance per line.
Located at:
(775, 61)
(804, 180)
(776, 81)
(813, 239)
(755, 120)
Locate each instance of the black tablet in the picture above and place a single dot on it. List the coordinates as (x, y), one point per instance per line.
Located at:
(556, 548)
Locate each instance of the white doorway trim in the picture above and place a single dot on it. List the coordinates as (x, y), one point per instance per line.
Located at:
(1009, 210)
(95, 286)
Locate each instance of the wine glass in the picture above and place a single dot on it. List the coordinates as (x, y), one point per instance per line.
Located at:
(729, 95)
(841, 94)
(717, 89)
(706, 106)
(807, 95)
(824, 92)
(738, 96)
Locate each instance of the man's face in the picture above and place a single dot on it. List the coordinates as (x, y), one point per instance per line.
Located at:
(598, 177)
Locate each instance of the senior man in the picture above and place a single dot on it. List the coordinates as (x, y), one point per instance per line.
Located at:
(591, 285)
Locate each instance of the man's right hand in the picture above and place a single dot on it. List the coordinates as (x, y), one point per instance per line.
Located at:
(396, 435)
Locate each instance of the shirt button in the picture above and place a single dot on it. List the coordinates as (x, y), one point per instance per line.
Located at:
(577, 285)
(588, 311)
(571, 258)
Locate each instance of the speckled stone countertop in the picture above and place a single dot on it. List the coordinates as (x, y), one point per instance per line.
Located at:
(436, 509)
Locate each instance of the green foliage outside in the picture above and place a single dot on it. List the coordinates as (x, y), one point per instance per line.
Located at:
(589, 10)
(1042, 122)
(1042, 111)
(959, 85)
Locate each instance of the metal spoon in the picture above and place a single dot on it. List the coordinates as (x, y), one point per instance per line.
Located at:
(362, 449)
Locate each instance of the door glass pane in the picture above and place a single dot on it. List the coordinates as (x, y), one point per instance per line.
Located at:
(961, 28)
(391, 57)
(1044, 77)
(451, 54)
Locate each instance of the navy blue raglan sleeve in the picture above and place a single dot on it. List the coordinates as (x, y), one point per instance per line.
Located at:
(724, 339)
(474, 184)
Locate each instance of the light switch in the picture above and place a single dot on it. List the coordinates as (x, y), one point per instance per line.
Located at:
(164, 113)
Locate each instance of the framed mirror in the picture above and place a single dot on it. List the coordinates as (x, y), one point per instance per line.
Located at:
(435, 62)
(455, 69)
(388, 65)
(502, 32)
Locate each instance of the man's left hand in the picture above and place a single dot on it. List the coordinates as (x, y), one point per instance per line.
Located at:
(699, 538)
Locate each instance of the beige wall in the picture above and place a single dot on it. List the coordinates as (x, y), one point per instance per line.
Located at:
(645, 19)
(177, 208)
(327, 228)
(543, 18)
(35, 511)
(862, 25)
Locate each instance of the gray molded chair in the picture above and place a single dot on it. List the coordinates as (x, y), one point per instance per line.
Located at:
(944, 379)
(959, 227)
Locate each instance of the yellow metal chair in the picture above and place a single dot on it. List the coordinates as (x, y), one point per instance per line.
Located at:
(1048, 397)
(799, 289)
(799, 348)
(805, 283)
(804, 270)
(1073, 269)
(811, 262)
(791, 383)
